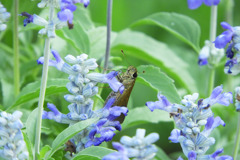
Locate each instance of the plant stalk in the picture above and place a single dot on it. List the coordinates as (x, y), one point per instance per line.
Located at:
(212, 37)
(109, 28)
(235, 153)
(16, 75)
(43, 87)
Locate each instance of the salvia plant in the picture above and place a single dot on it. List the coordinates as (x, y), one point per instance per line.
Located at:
(190, 117)
(76, 77)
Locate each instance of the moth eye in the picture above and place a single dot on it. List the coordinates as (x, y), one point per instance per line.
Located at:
(135, 75)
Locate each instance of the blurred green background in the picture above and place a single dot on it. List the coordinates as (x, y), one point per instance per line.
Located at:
(125, 13)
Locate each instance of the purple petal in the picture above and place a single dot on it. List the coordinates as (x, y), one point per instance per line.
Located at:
(108, 134)
(65, 15)
(174, 136)
(29, 18)
(112, 74)
(202, 62)
(162, 104)
(225, 25)
(114, 84)
(192, 155)
(118, 146)
(92, 133)
(117, 111)
(216, 92)
(211, 124)
(229, 52)
(109, 103)
(194, 4)
(223, 39)
(179, 158)
(40, 60)
(217, 152)
(101, 122)
(53, 108)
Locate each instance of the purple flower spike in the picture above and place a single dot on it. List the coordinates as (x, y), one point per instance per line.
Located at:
(192, 155)
(174, 136)
(29, 18)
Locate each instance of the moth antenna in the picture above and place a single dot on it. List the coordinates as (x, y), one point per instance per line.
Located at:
(125, 58)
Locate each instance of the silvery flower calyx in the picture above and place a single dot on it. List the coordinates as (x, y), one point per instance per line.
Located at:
(138, 147)
(12, 145)
(82, 86)
(194, 121)
(4, 16)
(209, 54)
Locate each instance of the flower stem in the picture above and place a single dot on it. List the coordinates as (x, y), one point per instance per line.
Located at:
(42, 95)
(43, 86)
(229, 11)
(16, 75)
(109, 28)
(213, 28)
(108, 42)
(235, 153)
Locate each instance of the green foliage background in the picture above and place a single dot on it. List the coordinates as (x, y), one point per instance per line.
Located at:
(149, 33)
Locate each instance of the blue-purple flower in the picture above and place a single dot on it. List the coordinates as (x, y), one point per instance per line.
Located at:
(232, 37)
(223, 39)
(82, 87)
(194, 121)
(194, 4)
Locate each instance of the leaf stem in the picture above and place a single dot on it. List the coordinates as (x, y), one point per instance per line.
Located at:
(16, 75)
(109, 28)
(235, 153)
(213, 28)
(43, 87)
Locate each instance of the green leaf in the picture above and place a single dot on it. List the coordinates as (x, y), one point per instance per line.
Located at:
(141, 115)
(28, 145)
(31, 91)
(161, 155)
(183, 27)
(93, 153)
(159, 81)
(31, 125)
(68, 133)
(82, 16)
(44, 150)
(97, 37)
(76, 37)
(156, 53)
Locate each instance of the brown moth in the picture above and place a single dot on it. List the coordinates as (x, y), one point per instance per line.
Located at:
(128, 79)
